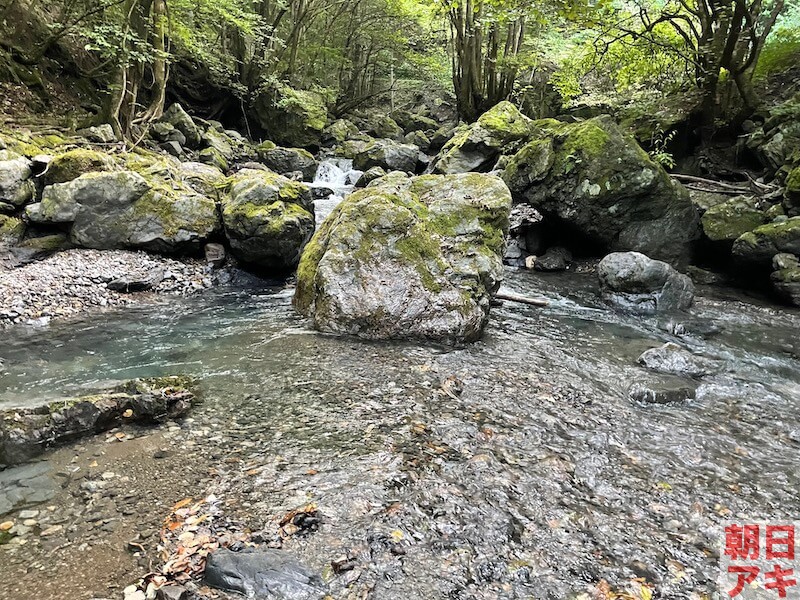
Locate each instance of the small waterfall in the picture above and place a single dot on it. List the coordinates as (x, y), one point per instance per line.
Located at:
(334, 180)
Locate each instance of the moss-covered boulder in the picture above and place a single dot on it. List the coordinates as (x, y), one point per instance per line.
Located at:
(145, 207)
(176, 116)
(477, 147)
(339, 131)
(28, 432)
(383, 127)
(16, 185)
(727, 221)
(408, 258)
(757, 248)
(596, 181)
(290, 117)
(268, 219)
(786, 283)
(288, 160)
(11, 231)
(792, 195)
(73, 163)
(387, 154)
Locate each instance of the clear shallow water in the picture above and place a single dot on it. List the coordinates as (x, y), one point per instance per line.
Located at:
(541, 477)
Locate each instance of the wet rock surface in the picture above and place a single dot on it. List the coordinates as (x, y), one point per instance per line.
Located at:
(671, 358)
(633, 281)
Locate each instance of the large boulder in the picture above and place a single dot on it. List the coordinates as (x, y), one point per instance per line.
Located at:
(16, 185)
(387, 154)
(595, 180)
(287, 160)
(478, 146)
(408, 258)
(757, 248)
(128, 209)
(73, 163)
(785, 277)
(339, 131)
(268, 219)
(290, 117)
(727, 221)
(635, 282)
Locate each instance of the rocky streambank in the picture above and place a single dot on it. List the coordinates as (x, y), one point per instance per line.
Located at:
(77, 281)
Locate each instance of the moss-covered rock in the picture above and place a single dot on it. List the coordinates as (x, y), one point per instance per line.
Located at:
(597, 181)
(339, 131)
(389, 155)
(28, 432)
(792, 195)
(73, 163)
(288, 160)
(148, 206)
(11, 231)
(16, 185)
(727, 221)
(176, 116)
(758, 247)
(293, 118)
(408, 258)
(477, 147)
(268, 219)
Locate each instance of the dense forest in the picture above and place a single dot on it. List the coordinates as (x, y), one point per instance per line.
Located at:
(379, 299)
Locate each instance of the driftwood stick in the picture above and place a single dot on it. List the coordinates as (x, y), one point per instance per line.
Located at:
(512, 297)
(720, 184)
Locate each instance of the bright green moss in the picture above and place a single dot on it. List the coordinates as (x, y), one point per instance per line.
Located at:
(74, 163)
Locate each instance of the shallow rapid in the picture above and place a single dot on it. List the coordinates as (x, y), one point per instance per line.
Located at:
(541, 477)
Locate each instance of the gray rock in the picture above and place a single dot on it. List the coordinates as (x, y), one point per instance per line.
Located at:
(369, 176)
(268, 219)
(215, 255)
(11, 231)
(555, 259)
(180, 120)
(671, 358)
(173, 148)
(633, 281)
(136, 283)
(16, 186)
(387, 154)
(785, 261)
(285, 160)
(26, 432)
(101, 134)
(758, 247)
(408, 258)
(263, 574)
(172, 592)
(661, 393)
(727, 221)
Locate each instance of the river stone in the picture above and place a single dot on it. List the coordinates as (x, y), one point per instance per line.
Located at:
(11, 231)
(263, 573)
(556, 258)
(16, 186)
(408, 258)
(633, 281)
(757, 247)
(369, 176)
(595, 180)
(387, 154)
(286, 160)
(663, 393)
(727, 221)
(180, 120)
(101, 134)
(26, 432)
(339, 131)
(673, 359)
(268, 219)
(477, 147)
(122, 209)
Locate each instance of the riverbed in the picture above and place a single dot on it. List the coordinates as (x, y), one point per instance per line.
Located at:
(516, 467)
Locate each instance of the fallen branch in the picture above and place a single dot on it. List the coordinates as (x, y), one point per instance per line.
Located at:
(512, 297)
(711, 182)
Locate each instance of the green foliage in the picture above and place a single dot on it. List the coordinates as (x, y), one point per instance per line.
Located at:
(659, 152)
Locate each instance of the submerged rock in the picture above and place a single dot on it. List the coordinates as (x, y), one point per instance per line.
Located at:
(661, 393)
(633, 281)
(671, 358)
(408, 258)
(27, 432)
(268, 219)
(597, 181)
(264, 573)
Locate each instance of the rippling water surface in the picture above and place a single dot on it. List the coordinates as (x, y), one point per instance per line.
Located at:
(540, 477)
